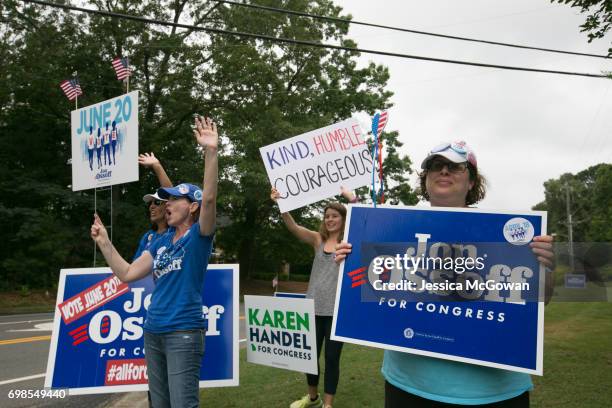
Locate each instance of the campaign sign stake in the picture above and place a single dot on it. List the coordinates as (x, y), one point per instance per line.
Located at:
(452, 283)
(281, 333)
(313, 166)
(104, 141)
(97, 345)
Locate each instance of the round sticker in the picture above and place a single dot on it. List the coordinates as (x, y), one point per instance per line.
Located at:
(197, 195)
(518, 231)
(408, 333)
(183, 189)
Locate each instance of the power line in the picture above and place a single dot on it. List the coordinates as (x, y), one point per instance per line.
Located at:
(302, 42)
(405, 30)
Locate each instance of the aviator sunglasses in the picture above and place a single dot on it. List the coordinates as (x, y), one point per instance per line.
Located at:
(157, 202)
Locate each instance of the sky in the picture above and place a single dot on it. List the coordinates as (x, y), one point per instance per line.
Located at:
(524, 127)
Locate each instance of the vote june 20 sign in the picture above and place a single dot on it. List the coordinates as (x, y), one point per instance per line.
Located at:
(281, 332)
(313, 166)
(104, 141)
(456, 284)
(97, 344)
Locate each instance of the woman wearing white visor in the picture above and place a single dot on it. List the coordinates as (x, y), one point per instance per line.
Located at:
(450, 177)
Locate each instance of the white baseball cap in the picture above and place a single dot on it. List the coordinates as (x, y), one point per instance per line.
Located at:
(152, 197)
(457, 152)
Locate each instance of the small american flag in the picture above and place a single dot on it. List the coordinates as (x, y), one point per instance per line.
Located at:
(275, 281)
(122, 68)
(71, 88)
(379, 122)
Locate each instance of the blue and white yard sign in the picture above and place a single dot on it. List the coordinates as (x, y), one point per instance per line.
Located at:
(457, 284)
(104, 139)
(98, 338)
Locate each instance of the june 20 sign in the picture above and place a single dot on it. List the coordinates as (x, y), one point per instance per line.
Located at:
(457, 284)
(97, 344)
(104, 139)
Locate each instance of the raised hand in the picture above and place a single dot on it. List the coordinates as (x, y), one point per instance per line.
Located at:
(98, 231)
(205, 132)
(274, 195)
(348, 194)
(147, 160)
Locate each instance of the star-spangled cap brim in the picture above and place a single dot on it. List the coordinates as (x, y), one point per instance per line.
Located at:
(453, 156)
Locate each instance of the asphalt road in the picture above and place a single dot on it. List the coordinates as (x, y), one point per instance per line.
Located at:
(24, 350)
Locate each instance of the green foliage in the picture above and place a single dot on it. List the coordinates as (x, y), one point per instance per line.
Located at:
(590, 205)
(599, 20)
(258, 92)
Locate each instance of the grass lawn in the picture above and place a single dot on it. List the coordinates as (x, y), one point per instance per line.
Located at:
(577, 368)
(29, 302)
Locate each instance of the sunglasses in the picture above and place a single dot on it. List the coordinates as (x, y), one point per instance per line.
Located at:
(157, 202)
(438, 165)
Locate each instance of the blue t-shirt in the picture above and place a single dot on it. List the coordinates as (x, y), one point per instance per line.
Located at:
(146, 241)
(452, 382)
(178, 273)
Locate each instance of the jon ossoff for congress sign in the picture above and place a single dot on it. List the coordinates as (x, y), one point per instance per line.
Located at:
(458, 284)
(97, 344)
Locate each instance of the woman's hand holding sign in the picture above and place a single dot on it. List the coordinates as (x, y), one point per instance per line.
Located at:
(274, 195)
(342, 251)
(543, 250)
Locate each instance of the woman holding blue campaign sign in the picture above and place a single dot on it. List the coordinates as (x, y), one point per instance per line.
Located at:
(174, 326)
(322, 288)
(450, 178)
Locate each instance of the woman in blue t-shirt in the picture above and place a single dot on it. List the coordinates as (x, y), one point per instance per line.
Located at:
(450, 178)
(174, 326)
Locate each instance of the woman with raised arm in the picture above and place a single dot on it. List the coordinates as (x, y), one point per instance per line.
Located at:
(174, 326)
(155, 204)
(322, 288)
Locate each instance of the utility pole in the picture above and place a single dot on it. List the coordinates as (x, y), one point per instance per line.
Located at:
(569, 227)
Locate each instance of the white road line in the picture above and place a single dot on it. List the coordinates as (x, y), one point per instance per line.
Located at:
(14, 380)
(37, 327)
(29, 321)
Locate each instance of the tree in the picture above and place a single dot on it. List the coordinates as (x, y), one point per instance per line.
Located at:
(258, 91)
(298, 89)
(45, 225)
(591, 204)
(599, 20)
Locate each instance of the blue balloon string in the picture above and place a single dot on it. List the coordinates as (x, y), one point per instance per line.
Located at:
(375, 121)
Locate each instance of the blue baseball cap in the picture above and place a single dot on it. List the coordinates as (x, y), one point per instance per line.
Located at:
(191, 191)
